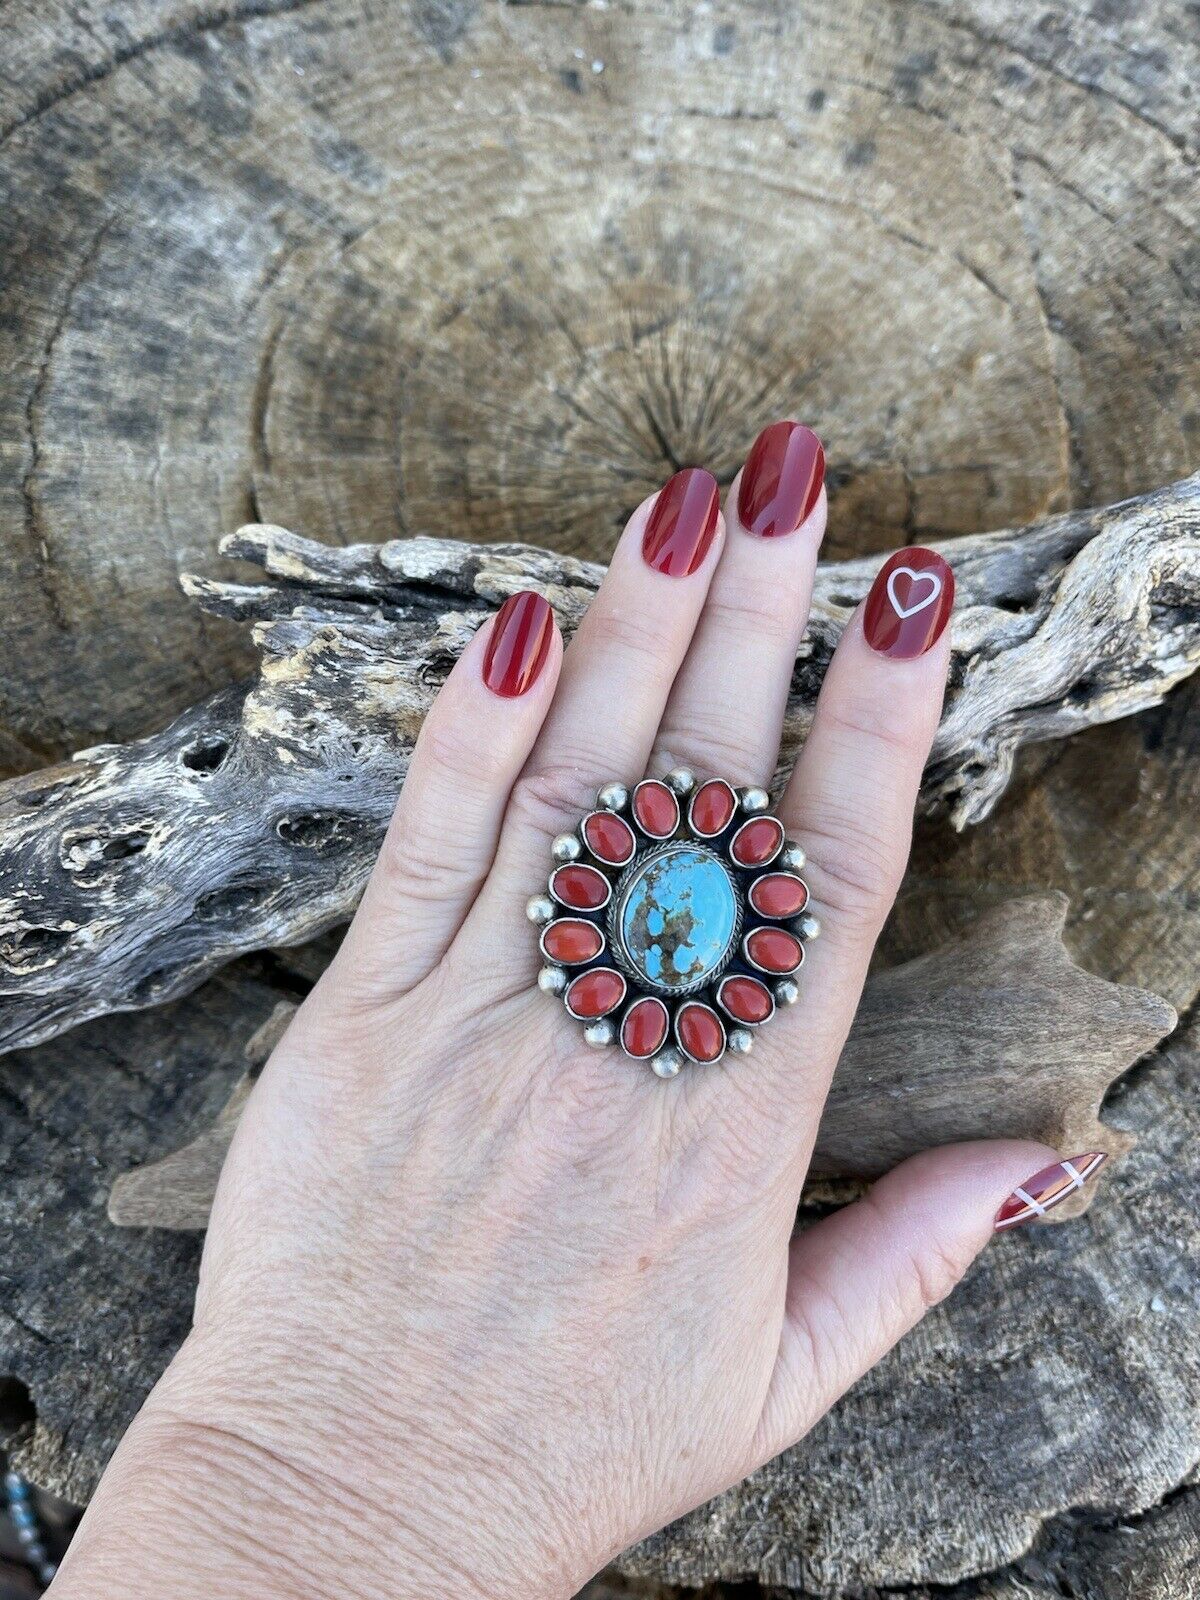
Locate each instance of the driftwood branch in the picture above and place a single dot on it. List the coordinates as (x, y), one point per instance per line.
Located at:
(134, 871)
(1003, 1008)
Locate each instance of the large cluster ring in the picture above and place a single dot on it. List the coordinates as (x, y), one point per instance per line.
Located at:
(675, 921)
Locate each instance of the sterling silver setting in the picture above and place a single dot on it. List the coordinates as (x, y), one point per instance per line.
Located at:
(675, 921)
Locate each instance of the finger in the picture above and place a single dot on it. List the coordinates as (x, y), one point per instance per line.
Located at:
(617, 672)
(442, 837)
(725, 713)
(859, 1280)
(850, 804)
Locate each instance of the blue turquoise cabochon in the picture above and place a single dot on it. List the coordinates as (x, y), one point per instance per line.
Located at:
(678, 917)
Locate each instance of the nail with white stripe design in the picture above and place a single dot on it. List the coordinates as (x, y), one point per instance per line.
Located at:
(1046, 1189)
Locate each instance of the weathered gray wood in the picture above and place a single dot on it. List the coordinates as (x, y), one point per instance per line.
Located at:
(1084, 1553)
(420, 267)
(998, 1033)
(90, 1315)
(129, 875)
(177, 1190)
(370, 268)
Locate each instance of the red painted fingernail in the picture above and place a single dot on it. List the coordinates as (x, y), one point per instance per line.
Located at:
(1046, 1189)
(909, 604)
(682, 522)
(781, 479)
(519, 644)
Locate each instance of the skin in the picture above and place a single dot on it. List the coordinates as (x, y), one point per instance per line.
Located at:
(480, 1306)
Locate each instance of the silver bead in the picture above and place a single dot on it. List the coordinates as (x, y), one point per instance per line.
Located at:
(740, 1041)
(754, 800)
(566, 848)
(807, 926)
(787, 992)
(681, 779)
(600, 1033)
(613, 797)
(552, 980)
(667, 1063)
(540, 909)
(791, 858)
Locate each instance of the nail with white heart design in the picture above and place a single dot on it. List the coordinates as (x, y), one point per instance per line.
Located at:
(909, 604)
(929, 581)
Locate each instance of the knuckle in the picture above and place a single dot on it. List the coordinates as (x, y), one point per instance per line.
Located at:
(414, 862)
(854, 871)
(554, 795)
(771, 622)
(929, 1268)
(937, 1268)
(630, 634)
(709, 746)
(452, 752)
(872, 720)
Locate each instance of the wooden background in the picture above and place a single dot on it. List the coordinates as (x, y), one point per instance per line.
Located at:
(363, 267)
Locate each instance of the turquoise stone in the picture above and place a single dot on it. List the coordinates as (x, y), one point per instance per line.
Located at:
(678, 917)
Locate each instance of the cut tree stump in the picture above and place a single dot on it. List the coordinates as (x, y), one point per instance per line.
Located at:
(487, 272)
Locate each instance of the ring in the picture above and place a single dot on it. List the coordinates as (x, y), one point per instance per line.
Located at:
(678, 908)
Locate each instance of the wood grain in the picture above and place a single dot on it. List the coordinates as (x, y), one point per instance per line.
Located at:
(488, 271)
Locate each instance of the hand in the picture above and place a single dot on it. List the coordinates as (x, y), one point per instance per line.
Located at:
(479, 1305)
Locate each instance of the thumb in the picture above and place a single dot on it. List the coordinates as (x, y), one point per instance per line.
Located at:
(860, 1279)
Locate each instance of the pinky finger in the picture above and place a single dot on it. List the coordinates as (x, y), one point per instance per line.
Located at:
(859, 1280)
(442, 837)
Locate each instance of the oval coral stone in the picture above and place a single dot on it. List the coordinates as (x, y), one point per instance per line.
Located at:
(746, 1000)
(582, 888)
(774, 949)
(713, 805)
(779, 894)
(595, 993)
(758, 841)
(655, 809)
(608, 837)
(571, 941)
(644, 1027)
(700, 1032)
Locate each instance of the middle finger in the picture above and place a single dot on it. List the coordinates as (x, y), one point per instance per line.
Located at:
(725, 713)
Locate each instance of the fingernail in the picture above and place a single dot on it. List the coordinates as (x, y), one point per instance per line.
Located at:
(682, 522)
(519, 644)
(781, 479)
(909, 604)
(1046, 1189)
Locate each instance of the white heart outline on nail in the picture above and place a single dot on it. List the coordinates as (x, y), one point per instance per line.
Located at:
(930, 598)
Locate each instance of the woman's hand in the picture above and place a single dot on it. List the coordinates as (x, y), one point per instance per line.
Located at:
(480, 1305)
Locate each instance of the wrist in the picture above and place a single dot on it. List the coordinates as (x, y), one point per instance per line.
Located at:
(187, 1509)
(205, 1496)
